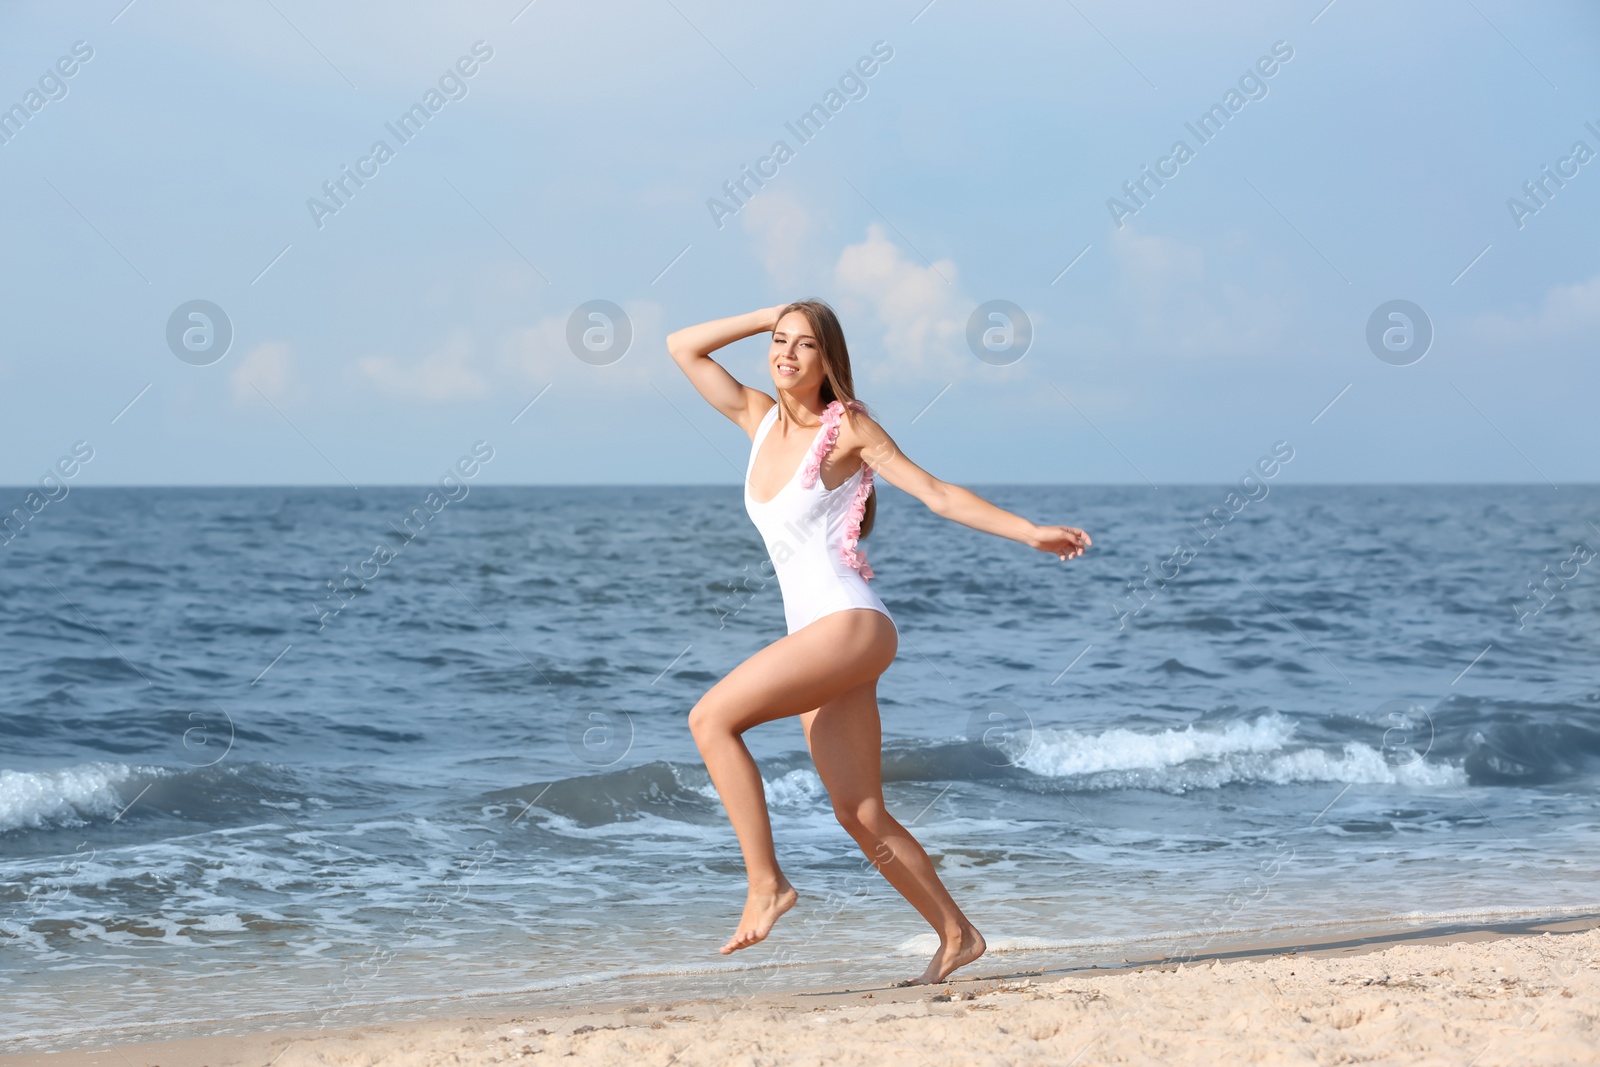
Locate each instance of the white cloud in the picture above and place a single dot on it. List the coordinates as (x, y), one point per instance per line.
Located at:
(539, 353)
(922, 311)
(267, 369)
(1156, 265)
(781, 228)
(441, 375)
(1568, 311)
(1571, 309)
(1173, 305)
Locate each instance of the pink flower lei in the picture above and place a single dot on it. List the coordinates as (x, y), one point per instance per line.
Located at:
(831, 417)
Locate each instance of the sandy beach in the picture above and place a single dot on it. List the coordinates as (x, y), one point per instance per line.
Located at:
(1528, 994)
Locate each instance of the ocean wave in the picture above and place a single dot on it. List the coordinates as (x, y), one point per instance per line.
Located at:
(591, 800)
(800, 788)
(68, 796)
(186, 798)
(1065, 753)
(1260, 750)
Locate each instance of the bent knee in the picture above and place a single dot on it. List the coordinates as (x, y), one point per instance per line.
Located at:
(701, 720)
(707, 721)
(866, 816)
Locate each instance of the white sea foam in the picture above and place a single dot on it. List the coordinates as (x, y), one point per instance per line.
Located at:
(799, 789)
(68, 796)
(1196, 757)
(1062, 753)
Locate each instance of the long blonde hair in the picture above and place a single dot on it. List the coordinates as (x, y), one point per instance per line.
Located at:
(837, 383)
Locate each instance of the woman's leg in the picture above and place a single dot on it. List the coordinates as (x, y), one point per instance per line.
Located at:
(795, 674)
(845, 737)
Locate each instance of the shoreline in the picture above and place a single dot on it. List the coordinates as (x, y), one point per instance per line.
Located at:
(671, 1022)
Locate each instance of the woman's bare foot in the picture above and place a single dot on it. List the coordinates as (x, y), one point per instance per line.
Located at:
(953, 953)
(761, 910)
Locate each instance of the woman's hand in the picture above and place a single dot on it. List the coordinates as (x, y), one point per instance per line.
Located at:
(1068, 542)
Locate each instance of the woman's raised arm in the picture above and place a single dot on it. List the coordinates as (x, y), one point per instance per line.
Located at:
(691, 349)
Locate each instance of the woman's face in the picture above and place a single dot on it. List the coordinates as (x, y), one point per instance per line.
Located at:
(795, 358)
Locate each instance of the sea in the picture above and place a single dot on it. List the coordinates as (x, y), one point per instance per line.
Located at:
(282, 758)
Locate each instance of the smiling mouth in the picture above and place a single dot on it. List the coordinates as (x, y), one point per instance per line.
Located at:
(788, 369)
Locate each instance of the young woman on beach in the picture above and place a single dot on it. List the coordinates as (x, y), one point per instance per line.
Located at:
(808, 489)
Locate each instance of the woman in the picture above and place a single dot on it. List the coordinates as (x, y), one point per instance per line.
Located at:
(808, 488)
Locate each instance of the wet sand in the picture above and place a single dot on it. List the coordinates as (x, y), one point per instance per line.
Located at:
(1522, 993)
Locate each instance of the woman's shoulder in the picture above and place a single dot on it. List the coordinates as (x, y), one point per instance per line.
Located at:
(857, 427)
(852, 414)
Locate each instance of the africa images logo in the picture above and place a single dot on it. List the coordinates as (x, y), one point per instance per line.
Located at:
(452, 85)
(1205, 128)
(851, 85)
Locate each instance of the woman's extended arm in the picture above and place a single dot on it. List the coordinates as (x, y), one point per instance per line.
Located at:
(691, 349)
(955, 503)
(969, 509)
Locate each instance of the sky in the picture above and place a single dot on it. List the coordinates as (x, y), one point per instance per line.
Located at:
(1358, 154)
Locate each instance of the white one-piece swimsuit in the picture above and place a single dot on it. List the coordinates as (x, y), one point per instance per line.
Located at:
(811, 532)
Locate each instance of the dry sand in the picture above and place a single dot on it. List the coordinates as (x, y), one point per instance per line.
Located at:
(1483, 999)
